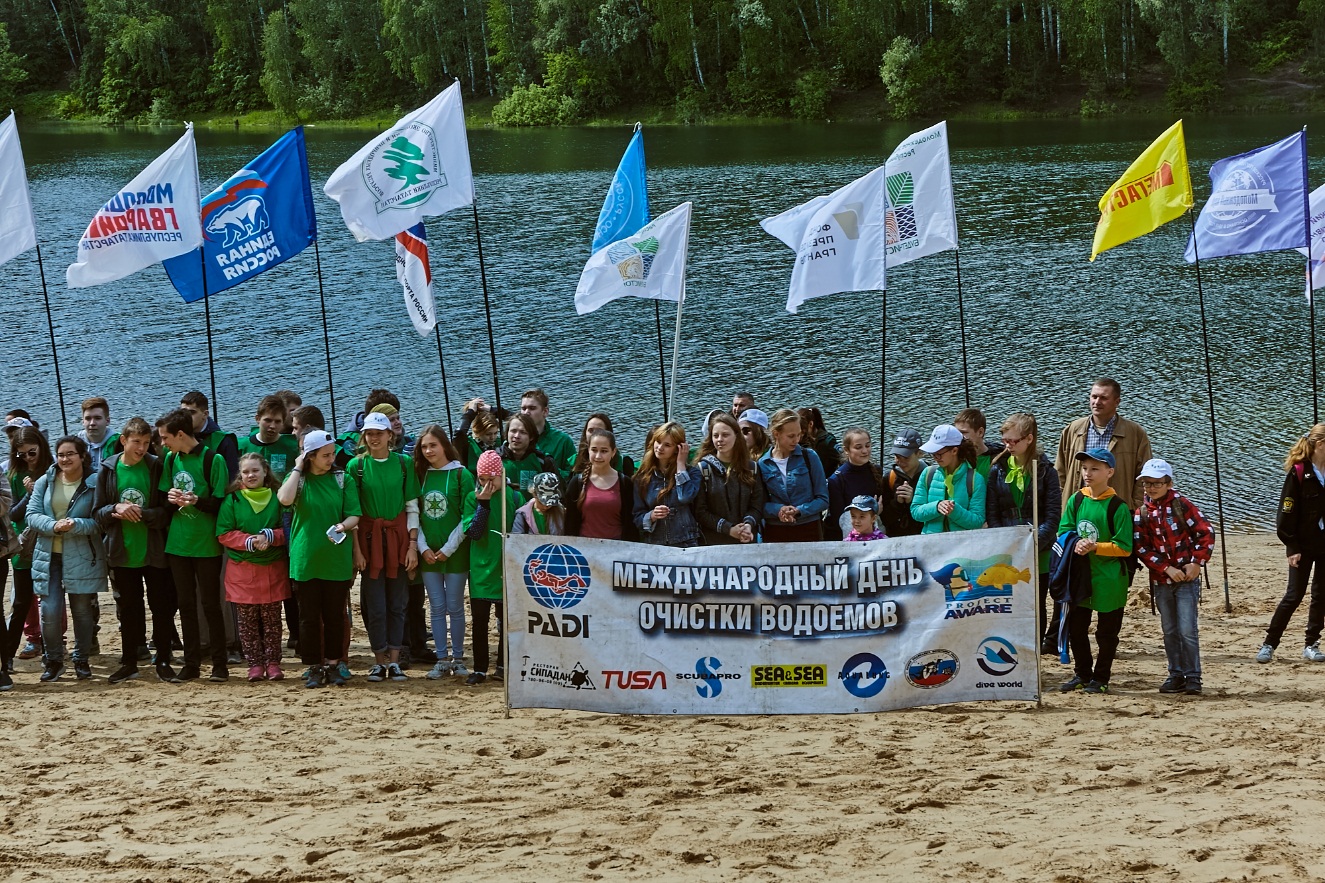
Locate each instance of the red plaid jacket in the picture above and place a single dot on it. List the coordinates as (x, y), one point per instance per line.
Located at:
(1161, 541)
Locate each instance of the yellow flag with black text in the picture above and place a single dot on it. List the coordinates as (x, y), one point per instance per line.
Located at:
(1154, 190)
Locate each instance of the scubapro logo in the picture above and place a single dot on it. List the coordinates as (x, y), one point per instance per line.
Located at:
(864, 675)
(556, 576)
(707, 670)
(996, 656)
(932, 668)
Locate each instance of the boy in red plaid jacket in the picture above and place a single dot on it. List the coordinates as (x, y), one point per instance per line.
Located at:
(1173, 540)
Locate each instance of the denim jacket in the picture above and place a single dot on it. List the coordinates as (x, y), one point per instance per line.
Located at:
(680, 527)
(804, 486)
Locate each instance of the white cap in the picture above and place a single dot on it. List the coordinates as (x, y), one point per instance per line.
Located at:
(18, 423)
(943, 436)
(755, 416)
(1157, 468)
(376, 420)
(316, 440)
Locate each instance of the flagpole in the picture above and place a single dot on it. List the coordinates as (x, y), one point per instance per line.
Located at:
(1210, 395)
(50, 324)
(487, 308)
(883, 381)
(446, 395)
(326, 335)
(961, 320)
(676, 339)
(207, 312)
(662, 366)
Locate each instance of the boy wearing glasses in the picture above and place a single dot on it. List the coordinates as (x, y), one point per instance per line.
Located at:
(1173, 540)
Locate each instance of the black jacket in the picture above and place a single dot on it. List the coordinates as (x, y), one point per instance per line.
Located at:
(575, 518)
(1301, 507)
(896, 517)
(724, 503)
(1001, 509)
(156, 514)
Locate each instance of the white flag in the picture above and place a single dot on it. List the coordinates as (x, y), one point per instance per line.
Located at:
(415, 276)
(650, 263)
(922, 219)
(838, 240)
(419, 169)
(18, 228)
(156, 216)
(1317, 256)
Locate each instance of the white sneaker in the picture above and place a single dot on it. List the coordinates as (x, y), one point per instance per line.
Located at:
(1266, 654)
(440, 670)
(1311, 653)
(459, 669)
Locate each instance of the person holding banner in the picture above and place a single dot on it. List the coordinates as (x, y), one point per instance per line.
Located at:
(665, 490)
(795, 489)
(485, 551)
(950, 495)
(444, 485)
(731, 496)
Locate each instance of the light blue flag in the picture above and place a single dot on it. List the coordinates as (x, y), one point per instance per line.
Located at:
(626, 208)
(1258, 203)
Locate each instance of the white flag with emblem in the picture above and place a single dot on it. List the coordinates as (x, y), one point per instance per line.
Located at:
(18, 228)
(1316, 262)
(838, 240)
(418, 169)
(922, 219)
(650, 263)
(155, 217)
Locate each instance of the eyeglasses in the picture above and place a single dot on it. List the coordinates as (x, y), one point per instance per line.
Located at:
(1156, 482)
(1013, 441)
(30, 454)
(65, 455)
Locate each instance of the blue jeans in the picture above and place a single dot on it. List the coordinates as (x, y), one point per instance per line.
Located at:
(446, 598)
(82, 607)
(384, 600)
(1177, 617)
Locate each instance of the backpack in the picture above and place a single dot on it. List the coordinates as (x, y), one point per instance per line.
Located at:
(1131, 563)
(923, 481)
(208, 458)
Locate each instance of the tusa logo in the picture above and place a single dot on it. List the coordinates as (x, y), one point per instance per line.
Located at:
(635, 680)
(557, 576)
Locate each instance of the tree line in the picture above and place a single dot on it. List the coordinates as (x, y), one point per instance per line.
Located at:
(563, 61)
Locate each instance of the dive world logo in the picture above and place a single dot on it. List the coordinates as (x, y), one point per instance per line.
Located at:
(864, 675)
(996, 657)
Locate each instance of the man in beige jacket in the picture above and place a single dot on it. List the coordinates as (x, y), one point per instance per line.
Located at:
(1104, 428)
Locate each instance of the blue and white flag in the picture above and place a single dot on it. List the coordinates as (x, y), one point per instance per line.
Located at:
(260, 217)
(626, 208)
(415, 277)
(1258, 203)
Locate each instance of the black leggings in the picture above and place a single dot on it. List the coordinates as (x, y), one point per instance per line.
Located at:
(22, 603)
(480, 612)
(1298, 578)
(322, 618)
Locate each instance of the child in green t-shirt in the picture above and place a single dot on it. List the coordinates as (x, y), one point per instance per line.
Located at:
(277, 449)
(443, 551)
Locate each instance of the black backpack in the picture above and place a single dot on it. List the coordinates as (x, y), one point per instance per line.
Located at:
(1131, 563)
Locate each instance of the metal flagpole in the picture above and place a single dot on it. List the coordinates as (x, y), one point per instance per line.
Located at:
(207, 312)
(446, 395)
(326, 336)
(1035, 569)
(50, 324)
(676, 340)
(662, 366)
(961, 320)
(501, 625)
(1311, 294)
(883, 382)
(1210, 394)
(487, 308)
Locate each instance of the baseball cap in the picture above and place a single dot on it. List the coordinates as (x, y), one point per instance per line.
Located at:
(1157, 468)
(376, 420)
(317, 439)
(945, 435)
(18, 423)
(755, 416)
(547, 488)
(907, 442)
(1099, 454)
(863, 503)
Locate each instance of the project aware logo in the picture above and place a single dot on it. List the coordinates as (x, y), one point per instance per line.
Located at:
(237, 212)
(900, 221)
(634, 260)
(996, 656)
(404, 171)
(556, 576)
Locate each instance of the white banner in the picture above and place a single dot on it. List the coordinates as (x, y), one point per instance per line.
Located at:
(837, 627)
(156, 216)
(1316, 281)
(922, 219)
(650, 263)
(18, 229)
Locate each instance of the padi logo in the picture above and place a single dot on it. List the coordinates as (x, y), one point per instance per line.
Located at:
(932, 668)
(435, 505)
(574, 678)
(404, 169)
(184, 482)
(983, 586)
(864, 675)
(707, 671)
(556, 576)
(634, 260)
(558, 625)
(134, 496)
(635, 680)
(996, 656)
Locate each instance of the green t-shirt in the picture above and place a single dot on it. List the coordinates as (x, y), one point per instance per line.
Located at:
(134, 484)
(237, 514)
(559, 446)
(384, 485)
(18, 491)
(485, 579)
(441, 503)
(1108, 574)
(521, 472)
(192, 531)
(323, 500)
(280, 454)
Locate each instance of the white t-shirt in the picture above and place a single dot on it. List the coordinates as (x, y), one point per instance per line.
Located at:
(782, 464)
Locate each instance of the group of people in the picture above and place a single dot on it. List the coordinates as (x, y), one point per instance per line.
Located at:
(230, 531)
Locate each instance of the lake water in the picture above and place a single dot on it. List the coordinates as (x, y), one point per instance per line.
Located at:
(1041, 320)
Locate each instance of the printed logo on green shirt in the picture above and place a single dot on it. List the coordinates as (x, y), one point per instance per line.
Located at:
(435, 505)
(277, 462)
(183, 481)
(1088, 531)
(134, 496)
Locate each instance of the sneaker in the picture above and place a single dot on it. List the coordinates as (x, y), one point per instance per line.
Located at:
(274, 672)
(317, 677)
(1193, 687)
(459, 670)
(82, 669)
(31, 650)
(1311, 653)
(334, 677)
(396, 673)
(475, 679)
(1174, 684)
(1049, 647)
(1265, 654)
(52, 671)
(439, 671)
(343, 669)
(1070, 686)
(144, 654)
(219, 673)
(377, 674)
(126, 672)
(6, 682)
(1096, 687)
(256, 673)
(234, 657)
(165, 673)
(189, 673)
(499, 673)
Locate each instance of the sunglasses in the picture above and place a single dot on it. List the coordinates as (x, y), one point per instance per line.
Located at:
(29, 455)
(748, 431)
(1013, 441)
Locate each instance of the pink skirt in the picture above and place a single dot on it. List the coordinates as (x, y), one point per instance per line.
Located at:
(249, 583)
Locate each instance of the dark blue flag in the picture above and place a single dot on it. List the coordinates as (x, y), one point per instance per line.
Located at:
(262, 216)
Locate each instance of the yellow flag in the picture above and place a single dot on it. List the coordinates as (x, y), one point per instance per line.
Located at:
(1154, 190)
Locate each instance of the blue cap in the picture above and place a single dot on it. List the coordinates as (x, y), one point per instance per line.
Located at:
(1099, 454)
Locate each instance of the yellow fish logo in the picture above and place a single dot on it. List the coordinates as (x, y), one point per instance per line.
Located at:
(1002, 575)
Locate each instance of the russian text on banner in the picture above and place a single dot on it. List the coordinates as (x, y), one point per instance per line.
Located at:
(152, 219)
(839, 240)
(418, 169)
(18, 226)
(1258, 202)
(1316, 264)
(922, 217)
(626, 207)
(650, 263)
(415, 277)
(1155, 189)
(261, 216)
(631, 628)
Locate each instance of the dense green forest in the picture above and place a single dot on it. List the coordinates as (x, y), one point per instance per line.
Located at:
(543, 62)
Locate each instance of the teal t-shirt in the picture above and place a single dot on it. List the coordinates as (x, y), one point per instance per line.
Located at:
(134, 484)
(323, 500)
(193, 532)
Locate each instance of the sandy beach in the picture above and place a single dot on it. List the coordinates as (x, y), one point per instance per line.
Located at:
(429, 781)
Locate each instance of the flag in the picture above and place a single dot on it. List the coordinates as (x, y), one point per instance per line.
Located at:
(649, 263)
(419, 169)
(1316, 264)
(415, 276)
(260, 217)
(1155, 189)
(626, 207)
(18, 227)
(921, 218)
(1258, 202)
(838, 240)
(154, 218)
